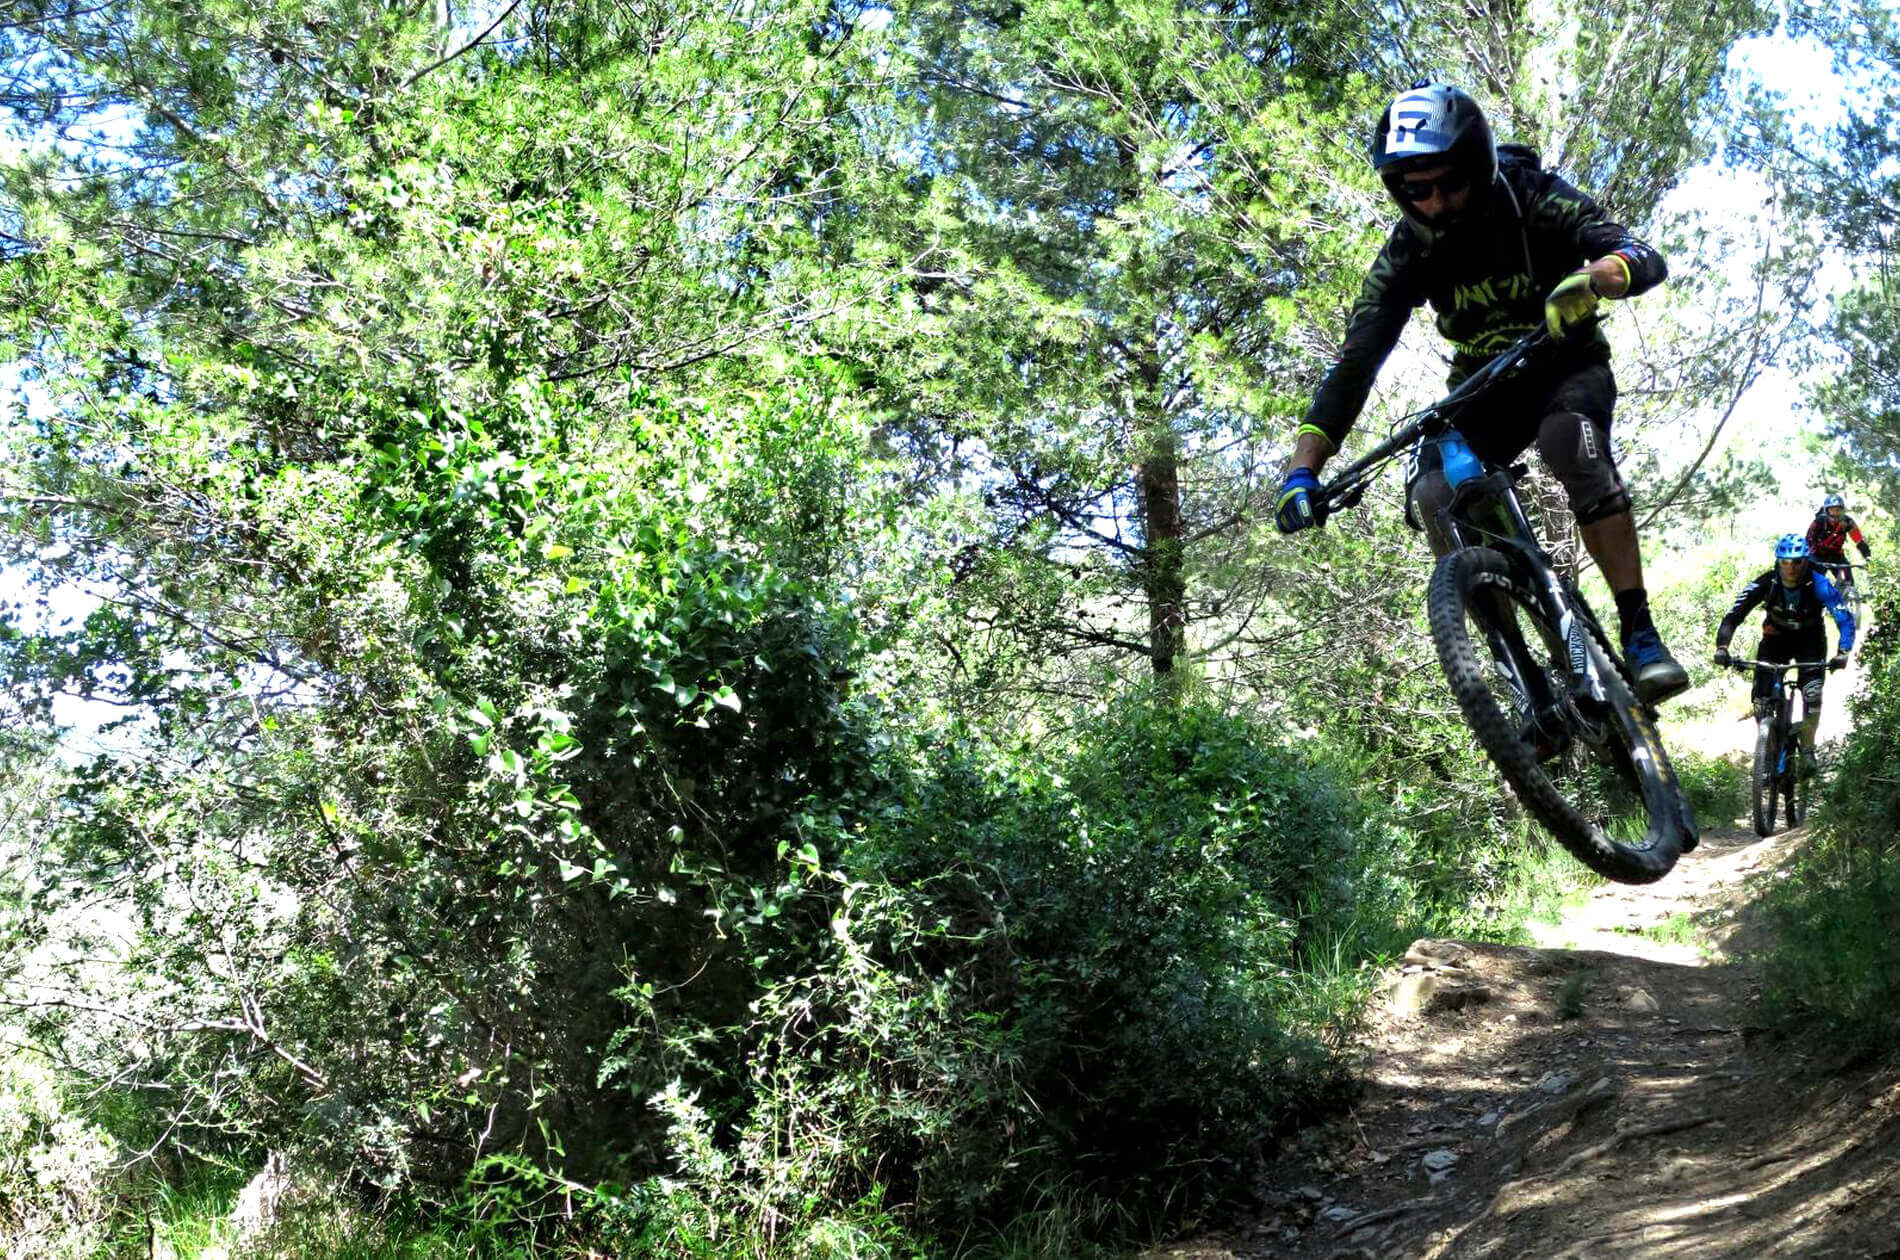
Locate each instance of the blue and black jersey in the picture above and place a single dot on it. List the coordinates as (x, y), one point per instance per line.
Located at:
(1486, 280)
(1791, 610)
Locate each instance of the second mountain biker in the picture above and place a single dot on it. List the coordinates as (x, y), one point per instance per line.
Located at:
(1795, 595)
(1827, 540)
(1497, 245)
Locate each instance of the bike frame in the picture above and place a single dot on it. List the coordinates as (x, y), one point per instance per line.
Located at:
(1791, 705)
(1485, 511)
(1494, 495)
(1790, 708)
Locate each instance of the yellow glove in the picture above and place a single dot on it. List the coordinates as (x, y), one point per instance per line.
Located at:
(1570, 303)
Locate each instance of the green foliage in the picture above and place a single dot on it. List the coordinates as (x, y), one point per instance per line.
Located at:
(1025, 955)
(1718, 787)
(1677, 929)
(1835, 918)
(615, 540)
(57, 1167)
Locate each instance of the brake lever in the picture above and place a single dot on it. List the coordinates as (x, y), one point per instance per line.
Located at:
(1326, 507)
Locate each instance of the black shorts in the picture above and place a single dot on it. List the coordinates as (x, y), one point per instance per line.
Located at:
(1782, 646)
(1566, 415)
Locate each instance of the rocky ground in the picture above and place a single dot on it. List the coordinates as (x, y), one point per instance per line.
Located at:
(1605, 1094)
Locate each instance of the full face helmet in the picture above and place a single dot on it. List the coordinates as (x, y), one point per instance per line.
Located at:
(1834, 507)
(1434, 124)
(1791, 556)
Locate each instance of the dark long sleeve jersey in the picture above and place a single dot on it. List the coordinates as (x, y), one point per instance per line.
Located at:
(1828, 539)
(1486, 281)
(1790, 608)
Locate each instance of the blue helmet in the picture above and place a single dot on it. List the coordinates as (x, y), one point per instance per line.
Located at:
(1834, 501)
(1791, 547)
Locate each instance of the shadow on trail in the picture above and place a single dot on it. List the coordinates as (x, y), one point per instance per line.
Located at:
(1594, 1102)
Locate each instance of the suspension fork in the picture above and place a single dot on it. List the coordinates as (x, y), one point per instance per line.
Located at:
(1494, 496)
(1574, 630)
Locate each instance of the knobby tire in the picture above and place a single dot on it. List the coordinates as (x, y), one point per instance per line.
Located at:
(1795, 782)
(1458, 584)
(1767, 746)
(1794, 797)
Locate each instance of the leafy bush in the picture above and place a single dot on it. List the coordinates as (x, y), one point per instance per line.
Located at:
(1837, 916)
(1718, 787)
(1048, 983)
(58, 1169)
(572, 868)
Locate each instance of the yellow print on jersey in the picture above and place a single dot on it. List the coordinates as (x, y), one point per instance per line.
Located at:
(1491, 291)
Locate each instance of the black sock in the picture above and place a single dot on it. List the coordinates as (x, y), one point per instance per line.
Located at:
(1632, 609)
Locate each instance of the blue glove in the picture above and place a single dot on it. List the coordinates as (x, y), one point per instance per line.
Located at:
(1293, 511)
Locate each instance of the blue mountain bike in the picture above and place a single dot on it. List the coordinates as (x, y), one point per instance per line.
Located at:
(1780, 776)
(1544, 689)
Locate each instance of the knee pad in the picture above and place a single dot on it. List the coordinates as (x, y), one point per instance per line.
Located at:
(1601, 509)
(1576, 449)
(1811, 692)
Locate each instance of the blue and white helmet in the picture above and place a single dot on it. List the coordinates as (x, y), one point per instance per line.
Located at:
(1429, 123)
(1791, 547)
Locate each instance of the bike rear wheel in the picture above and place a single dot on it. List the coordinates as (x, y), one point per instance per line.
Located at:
(1618, 808)
(1767, 774)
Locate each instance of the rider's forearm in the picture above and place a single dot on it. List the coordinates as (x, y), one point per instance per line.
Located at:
(1311, 450)
(1610, 276)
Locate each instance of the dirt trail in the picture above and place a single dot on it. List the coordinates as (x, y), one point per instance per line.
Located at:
(1602, 1095)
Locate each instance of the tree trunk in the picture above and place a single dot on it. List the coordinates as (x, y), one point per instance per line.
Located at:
(1163, 577)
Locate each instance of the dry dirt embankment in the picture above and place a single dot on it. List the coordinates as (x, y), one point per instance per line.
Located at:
(1604, 1095)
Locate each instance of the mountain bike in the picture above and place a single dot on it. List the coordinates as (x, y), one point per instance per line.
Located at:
(1543, 688)
(1779, 772)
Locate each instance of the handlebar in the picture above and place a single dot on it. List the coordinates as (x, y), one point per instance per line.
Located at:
(1740, 662)
(1351, 483)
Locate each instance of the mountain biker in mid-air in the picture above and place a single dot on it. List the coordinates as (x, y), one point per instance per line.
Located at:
(1795, 593)
(1498, 246)
(1827, 540)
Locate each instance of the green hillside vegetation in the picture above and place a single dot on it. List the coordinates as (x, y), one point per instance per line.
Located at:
(697, 657)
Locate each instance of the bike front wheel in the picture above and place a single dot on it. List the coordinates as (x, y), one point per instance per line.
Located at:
(1767, 776)
(1795, 796)
(1797, 780)
(1589, 767)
